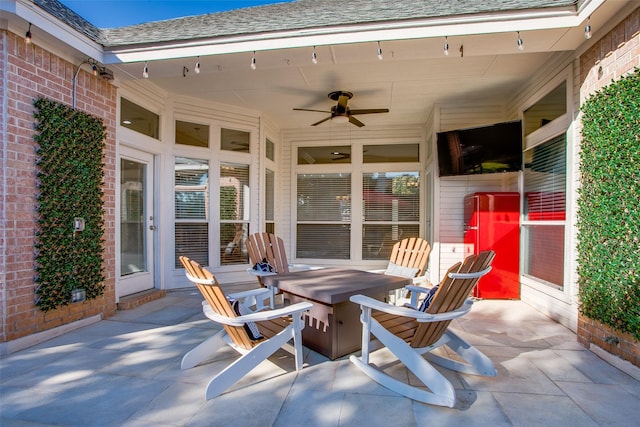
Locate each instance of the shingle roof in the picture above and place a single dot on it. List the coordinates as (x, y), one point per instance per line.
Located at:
(72, 19)
(296, 15)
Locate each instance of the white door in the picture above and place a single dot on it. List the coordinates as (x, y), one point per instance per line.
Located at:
(136, 222)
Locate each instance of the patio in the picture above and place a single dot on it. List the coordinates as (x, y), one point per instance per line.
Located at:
(126, 371)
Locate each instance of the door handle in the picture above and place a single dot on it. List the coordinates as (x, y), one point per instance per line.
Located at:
(152, 227)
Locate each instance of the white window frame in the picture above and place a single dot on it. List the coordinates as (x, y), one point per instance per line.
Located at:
(563, 124)
(357, 169)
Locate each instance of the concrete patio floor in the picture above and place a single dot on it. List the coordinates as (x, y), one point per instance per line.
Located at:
(125, 371)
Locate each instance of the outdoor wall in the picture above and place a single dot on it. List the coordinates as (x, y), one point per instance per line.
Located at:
(449, 230)
(612, 56)
(27, 72)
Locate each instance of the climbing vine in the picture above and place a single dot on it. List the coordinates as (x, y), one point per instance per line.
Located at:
(609, 206)
(70, 160)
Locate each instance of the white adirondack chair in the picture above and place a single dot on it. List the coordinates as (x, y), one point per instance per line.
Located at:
(409, 259)
(269, 247)
(411, 334)
(276, 327)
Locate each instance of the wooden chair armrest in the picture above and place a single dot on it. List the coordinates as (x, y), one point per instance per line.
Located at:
(255, 293)
(417, 289)
(199, 280)
(258, 316)
(374, 304)
(302, 267)
(260, 273)
(255, 297)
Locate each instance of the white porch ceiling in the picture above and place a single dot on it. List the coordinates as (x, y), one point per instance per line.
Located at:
(413, 76)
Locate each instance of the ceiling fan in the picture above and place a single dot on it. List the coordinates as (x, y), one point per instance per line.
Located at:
(341, 111)
(340, 155)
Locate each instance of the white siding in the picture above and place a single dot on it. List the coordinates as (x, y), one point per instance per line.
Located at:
(450, 191)
(463, 116)
(451, 210)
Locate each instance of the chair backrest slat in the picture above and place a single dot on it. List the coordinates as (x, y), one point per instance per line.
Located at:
(451, 294)
(412, 252)
(269, 246)
(214, 295)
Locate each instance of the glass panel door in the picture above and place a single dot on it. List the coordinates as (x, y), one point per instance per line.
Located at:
(136, 223)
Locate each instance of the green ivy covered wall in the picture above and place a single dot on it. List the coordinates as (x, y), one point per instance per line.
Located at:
(609, 206)
(70, 237)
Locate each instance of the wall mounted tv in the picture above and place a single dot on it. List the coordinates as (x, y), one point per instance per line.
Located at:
(488, 149)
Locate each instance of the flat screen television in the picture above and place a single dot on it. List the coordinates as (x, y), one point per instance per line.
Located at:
(487, 149)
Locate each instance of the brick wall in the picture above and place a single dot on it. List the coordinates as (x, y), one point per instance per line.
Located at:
(29, 72)
(607, 338)
(614, 55)
(611, 57)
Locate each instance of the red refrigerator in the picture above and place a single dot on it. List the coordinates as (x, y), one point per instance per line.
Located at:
(492, 221)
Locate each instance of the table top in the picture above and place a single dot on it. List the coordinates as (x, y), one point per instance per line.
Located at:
(335, 285)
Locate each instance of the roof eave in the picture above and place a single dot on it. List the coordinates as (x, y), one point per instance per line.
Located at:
(51, 29)
(528, 20)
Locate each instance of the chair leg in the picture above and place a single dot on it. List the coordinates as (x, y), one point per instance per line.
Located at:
(298, 325)
(479, 364)
(249, 360)
(365, 318)
(442, 392)
(203, 351)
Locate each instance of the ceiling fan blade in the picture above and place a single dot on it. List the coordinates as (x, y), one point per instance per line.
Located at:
(321, 121)
(370, 111)
(355, 121)
(306, 109)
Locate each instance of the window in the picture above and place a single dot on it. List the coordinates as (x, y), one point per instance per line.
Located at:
(234, 140)
(191, 205)
(270, 151)
(139, 119)
(545, 211)
(193, 134)
(234, 213)
(549, 108)
(391, 153)
(391, 211)
(269, 187)
(323, 216)
(132, 217)
(324, 155)
(269, 201)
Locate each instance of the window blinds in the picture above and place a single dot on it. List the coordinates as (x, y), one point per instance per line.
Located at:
(191, 189)
(545, 181)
